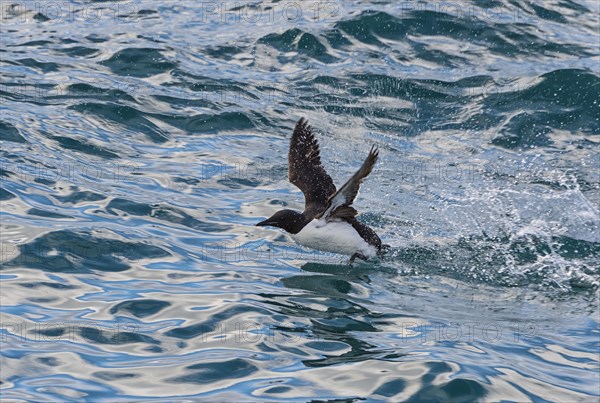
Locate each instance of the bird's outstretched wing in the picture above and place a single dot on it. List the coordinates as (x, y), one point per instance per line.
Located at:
(305, 169)
(339, 204)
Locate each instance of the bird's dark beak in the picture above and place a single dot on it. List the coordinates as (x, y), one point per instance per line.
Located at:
(263, 223)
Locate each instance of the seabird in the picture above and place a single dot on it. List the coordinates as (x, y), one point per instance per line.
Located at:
(328, 222)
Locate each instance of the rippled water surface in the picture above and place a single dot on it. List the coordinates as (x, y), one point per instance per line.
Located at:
(141, 142)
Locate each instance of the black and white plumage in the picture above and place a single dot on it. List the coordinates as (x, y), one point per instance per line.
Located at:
(328, 222)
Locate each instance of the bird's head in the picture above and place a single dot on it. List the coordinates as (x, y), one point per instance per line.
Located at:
(289, 220)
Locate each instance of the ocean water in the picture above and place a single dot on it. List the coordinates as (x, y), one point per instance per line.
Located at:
(142, 140)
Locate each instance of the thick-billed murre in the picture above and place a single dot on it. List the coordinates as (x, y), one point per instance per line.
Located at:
(328, 222)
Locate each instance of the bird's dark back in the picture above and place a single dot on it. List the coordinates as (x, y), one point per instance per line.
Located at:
(365, 232)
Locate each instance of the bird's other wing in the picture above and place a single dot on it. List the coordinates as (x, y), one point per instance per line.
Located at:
(305, 169)
(339, 204)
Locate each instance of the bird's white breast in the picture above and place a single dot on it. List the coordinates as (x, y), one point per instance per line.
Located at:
(333, 236)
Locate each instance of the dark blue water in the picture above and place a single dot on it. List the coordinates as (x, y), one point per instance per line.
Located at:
(142, 140)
